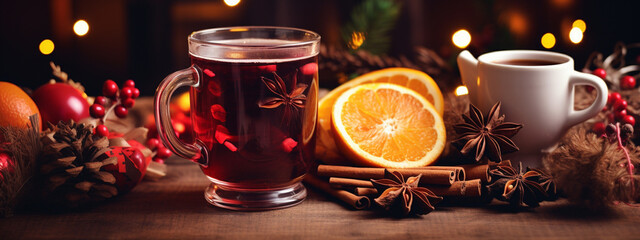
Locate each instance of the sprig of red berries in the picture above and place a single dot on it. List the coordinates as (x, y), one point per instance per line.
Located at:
(113, 100)
(161, 152)
(616, 107)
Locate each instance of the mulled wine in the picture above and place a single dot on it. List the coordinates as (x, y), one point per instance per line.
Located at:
(256, 119)
(254, 110)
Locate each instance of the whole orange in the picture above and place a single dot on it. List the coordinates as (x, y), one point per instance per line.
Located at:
(15, 106)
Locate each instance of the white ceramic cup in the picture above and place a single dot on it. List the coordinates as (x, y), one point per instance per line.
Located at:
(541, 97)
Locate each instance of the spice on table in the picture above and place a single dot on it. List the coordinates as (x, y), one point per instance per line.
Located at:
(404, 197)
(486, 136)
(517, 187)
(471, 188)
(429, 176)
(477, 171)
(357, 202)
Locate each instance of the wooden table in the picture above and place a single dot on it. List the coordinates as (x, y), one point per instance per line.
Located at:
(174, 208)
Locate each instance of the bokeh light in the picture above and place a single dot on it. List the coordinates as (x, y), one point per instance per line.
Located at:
(548, 40)
(231, 3)
(357, 39)
(461, 38)
(575, 35)
(580, 24)
(46, 47)
(462, 90)
(81, 27)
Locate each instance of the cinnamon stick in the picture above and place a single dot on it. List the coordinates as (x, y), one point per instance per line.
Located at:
(469, 188)
(357, 202)
(459, 171)
(339, 182)
(477, 171)
(429, 176)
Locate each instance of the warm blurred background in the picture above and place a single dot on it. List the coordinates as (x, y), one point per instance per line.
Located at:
(145, 40)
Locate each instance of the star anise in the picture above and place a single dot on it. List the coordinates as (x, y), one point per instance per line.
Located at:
(489, 136)
(516, 187)
(546, 181)
(402, 197)
(292, 101)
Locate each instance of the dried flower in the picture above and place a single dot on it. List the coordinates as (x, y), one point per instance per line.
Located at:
(486, 136)
(403, 197)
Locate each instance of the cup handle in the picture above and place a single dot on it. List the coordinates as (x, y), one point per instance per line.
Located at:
(579, 78)
(197, 151)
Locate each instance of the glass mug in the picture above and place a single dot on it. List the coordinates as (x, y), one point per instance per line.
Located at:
(254, 104)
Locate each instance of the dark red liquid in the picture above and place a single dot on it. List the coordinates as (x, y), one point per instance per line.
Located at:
(259, 131)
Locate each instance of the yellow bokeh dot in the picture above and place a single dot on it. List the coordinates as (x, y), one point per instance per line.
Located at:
(231, 3)
(46, 46)
(461, 38)
(462, 90)
(184, 102)
(548, 40)
(580, 24)
(575, 35)
(81, 27)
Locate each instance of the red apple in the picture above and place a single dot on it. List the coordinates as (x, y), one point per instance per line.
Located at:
(60, 102)
(130, 168)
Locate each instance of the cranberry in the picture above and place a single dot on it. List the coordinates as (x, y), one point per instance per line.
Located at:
(153, 143)
(102, 130)
(121, 111)
(620, 104)
(627, 82)
(129, 83)
(613, 98)
(619, 115)
(96, 110)
(100, 100)
(601, 73)
(126, 93)
(598, 128)
(128, 103)
(630, 120)
(136, 93)
(109, 89)
(163, 152)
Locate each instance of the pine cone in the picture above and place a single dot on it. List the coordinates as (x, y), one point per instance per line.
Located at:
(72, 166)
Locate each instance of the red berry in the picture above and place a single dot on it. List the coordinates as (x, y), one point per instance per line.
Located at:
(620, 104)
(126, 93)
(598, 128)
(136, 93)
(630, 120)
(158, 160)
(100, 100)
(620, 115)
(121, 111)
(613, 98)
(611, 117)
(96, 110)
(601, 73)
(128, 103)
(628, 82)
(129, 83)
(163, 152)
(153, 143)
(109, 89)
(102, 130)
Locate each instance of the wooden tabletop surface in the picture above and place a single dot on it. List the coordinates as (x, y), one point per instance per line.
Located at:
(174, 208)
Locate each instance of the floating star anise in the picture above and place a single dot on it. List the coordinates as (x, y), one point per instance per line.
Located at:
(292, 101)
(516, 187)
(402, 197)
(488, 136)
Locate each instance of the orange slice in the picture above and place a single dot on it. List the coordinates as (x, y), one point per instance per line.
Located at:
(386, 125)
(416, 80)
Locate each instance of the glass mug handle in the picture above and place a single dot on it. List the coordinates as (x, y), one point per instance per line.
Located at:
(189, 77)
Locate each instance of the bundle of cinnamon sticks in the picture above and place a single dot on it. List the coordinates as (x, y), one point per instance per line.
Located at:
(352, 185)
